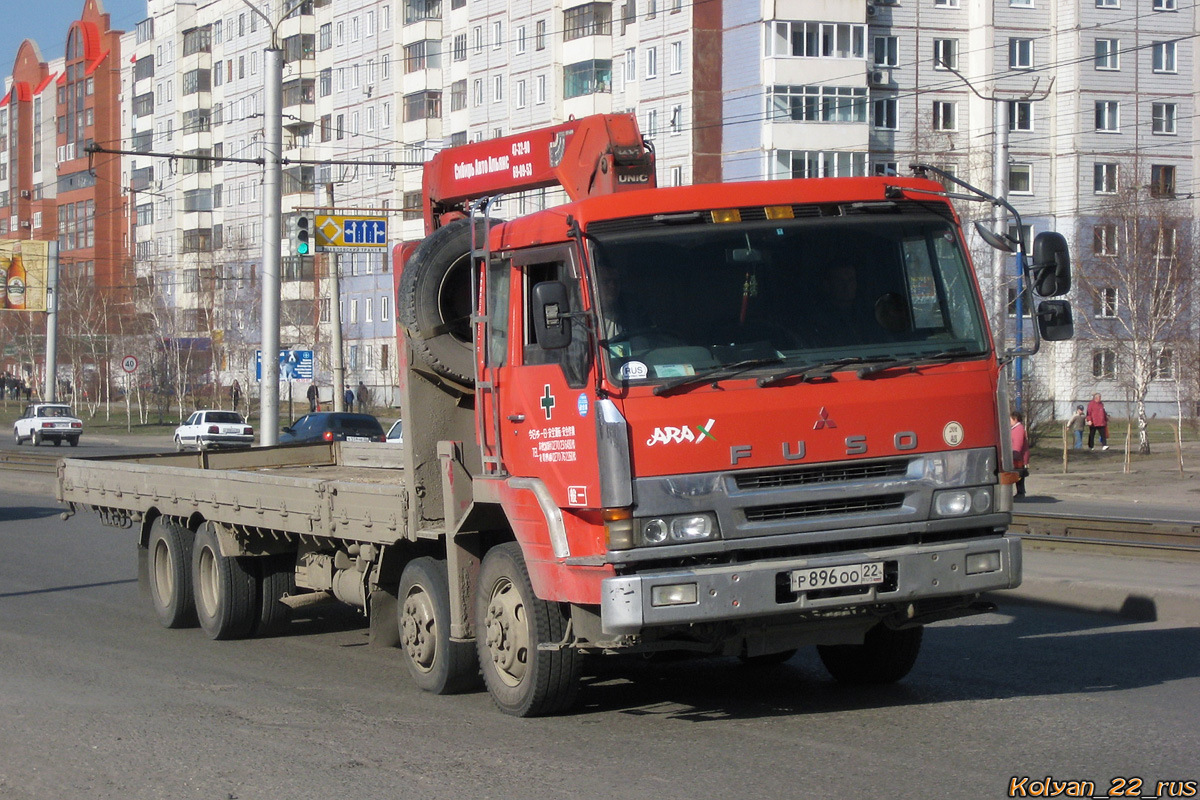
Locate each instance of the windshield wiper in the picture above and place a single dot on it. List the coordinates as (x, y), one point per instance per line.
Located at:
(812, 372)
(912, 361)
(715, 374)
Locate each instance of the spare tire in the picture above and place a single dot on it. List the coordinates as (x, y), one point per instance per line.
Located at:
(437, 300)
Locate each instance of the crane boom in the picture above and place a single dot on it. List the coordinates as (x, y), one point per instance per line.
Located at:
(595, 155)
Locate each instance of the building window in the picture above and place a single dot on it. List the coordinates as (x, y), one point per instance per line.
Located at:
(426, 54)
(592, 19)
(1020, 53)
(458, 95)
(460, 47)
(1108, 3)
(945, 53)
(886, 51)
(1020, 115)
(1108, 54)
(945, 3)
(1020, 179)
(1164, 366)
(818, 40)
(497, 88)
(1162, 180)
(539, 35)
(520, 100)
(631, 65)
(884, 113)
(1108, 116)
(651, 62)
(676, 58)
(422, 105)
(817, 103)
(1163, 118)
(945, 116)
(497, 35)
(1164, 56)
(541, 89)
(325, 37)
(1164, 5)
(818, 164)
(1104, 240)
(652, 122)
(1104, 364)
(1104, 180)
(477, 91)
(1105, 303)
(587, 77)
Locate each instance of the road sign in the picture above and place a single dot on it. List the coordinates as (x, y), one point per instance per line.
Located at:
(129, 364)
(336, 233)
(294, 365)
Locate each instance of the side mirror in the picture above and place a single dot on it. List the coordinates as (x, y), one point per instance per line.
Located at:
(1054, 320)
(288, 429)
(1051, 266)
(551, 324)
(996, 240)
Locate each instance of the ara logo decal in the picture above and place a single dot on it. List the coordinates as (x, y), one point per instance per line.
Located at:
(673, 435)
(823, 420)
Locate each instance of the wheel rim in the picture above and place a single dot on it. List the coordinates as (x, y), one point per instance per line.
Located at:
(164, 574)
(206, 585)
(418, 629)
(178, 444)
(508, 633)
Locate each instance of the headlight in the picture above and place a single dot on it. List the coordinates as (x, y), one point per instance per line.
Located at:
(959, 502)
(676, 530)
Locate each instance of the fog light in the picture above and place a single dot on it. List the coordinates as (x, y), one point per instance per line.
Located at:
(982, 501)
(983, 562)
(679, 594)
(654, 531)
(691, 528)
(952, 504)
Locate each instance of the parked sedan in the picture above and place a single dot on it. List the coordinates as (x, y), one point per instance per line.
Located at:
(210, 429)
(395, 434)
(333, 426)
(48, 422)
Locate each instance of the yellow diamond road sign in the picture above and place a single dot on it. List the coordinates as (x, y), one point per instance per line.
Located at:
(342, 234)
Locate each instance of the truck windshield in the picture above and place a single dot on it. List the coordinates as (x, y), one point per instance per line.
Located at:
(681, 300)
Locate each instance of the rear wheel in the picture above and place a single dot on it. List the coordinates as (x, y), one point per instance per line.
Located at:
(885, 656)
(276, 580)
(58, 442)
(225, 589)
(171, 574)
(436, 663)
(37, 438)
(510, 624)
(74, 440)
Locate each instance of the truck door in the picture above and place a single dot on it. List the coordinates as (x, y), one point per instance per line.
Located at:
(547, 405)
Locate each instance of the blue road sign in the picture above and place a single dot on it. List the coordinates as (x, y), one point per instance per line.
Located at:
(294, 365)
(364, 231)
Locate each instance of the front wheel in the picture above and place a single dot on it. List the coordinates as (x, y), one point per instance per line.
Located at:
(17, 437)
(885, 656)
(436, 663)
(225, 589)
(510, 624)
(178, 445)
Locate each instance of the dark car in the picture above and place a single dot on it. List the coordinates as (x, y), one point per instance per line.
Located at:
(333, 426)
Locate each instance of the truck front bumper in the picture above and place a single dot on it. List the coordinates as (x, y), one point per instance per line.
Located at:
(761, 589)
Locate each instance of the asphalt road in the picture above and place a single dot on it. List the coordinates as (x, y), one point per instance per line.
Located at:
(97, 701)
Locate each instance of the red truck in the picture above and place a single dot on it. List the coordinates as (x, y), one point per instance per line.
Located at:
(728, 419)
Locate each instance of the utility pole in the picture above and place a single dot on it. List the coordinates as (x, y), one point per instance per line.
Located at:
(51, 389)
(335, 319)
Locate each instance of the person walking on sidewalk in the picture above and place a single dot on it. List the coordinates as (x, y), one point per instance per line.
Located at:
(1020, 450)
(1076, 424)
(313, 396)
(1097, 422)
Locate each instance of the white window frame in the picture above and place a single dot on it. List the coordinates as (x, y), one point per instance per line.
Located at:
(890, 114)
(945, 115)
(1014, 116)
(945, 54)
(1106, 177)
(888, 47)
(1165, 58)
(1164, 119)
(1014, 169)
(1108, 116)
(651, 63)
(1110, 59)
(1016, 58)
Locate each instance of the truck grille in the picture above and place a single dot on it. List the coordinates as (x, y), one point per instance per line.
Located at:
(818, 508)
(834, 473)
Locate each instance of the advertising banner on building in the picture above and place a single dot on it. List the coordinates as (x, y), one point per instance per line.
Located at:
(23, 267)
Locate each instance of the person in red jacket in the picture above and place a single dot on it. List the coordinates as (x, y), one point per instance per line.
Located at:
(1097, 422)
(1020, 450)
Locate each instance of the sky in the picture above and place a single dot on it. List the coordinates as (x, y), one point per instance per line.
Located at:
(48, 21)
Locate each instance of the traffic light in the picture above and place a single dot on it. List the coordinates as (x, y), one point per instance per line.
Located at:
(300, 241)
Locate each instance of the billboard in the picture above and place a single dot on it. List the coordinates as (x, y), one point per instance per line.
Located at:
(23, 267)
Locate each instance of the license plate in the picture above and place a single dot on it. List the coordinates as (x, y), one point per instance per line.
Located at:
(358, 438)
(806, 580)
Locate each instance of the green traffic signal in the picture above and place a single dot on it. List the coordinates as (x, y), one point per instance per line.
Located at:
(300, 236)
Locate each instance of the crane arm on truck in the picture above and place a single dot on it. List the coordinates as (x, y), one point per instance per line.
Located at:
(595, 155)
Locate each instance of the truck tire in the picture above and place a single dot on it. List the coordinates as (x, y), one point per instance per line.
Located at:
(435, 302)
(510, 624)
(225, 589)
(885, 656)
(170, 562)
(276, 580)
(436, 664)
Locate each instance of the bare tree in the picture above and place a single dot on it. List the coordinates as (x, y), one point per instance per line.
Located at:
(1139, 282)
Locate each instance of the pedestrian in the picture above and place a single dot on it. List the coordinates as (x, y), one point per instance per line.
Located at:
(1020, 451)
(313, 397)
(1076, 425)
(349, 398)
(363, 397)
(235, 392)
(1097, 422)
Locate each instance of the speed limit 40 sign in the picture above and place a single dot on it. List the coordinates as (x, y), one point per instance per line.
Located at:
(129, 364)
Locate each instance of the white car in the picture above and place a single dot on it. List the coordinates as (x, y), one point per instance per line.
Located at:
(395, 434)
(209, 429)
(48, 422)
